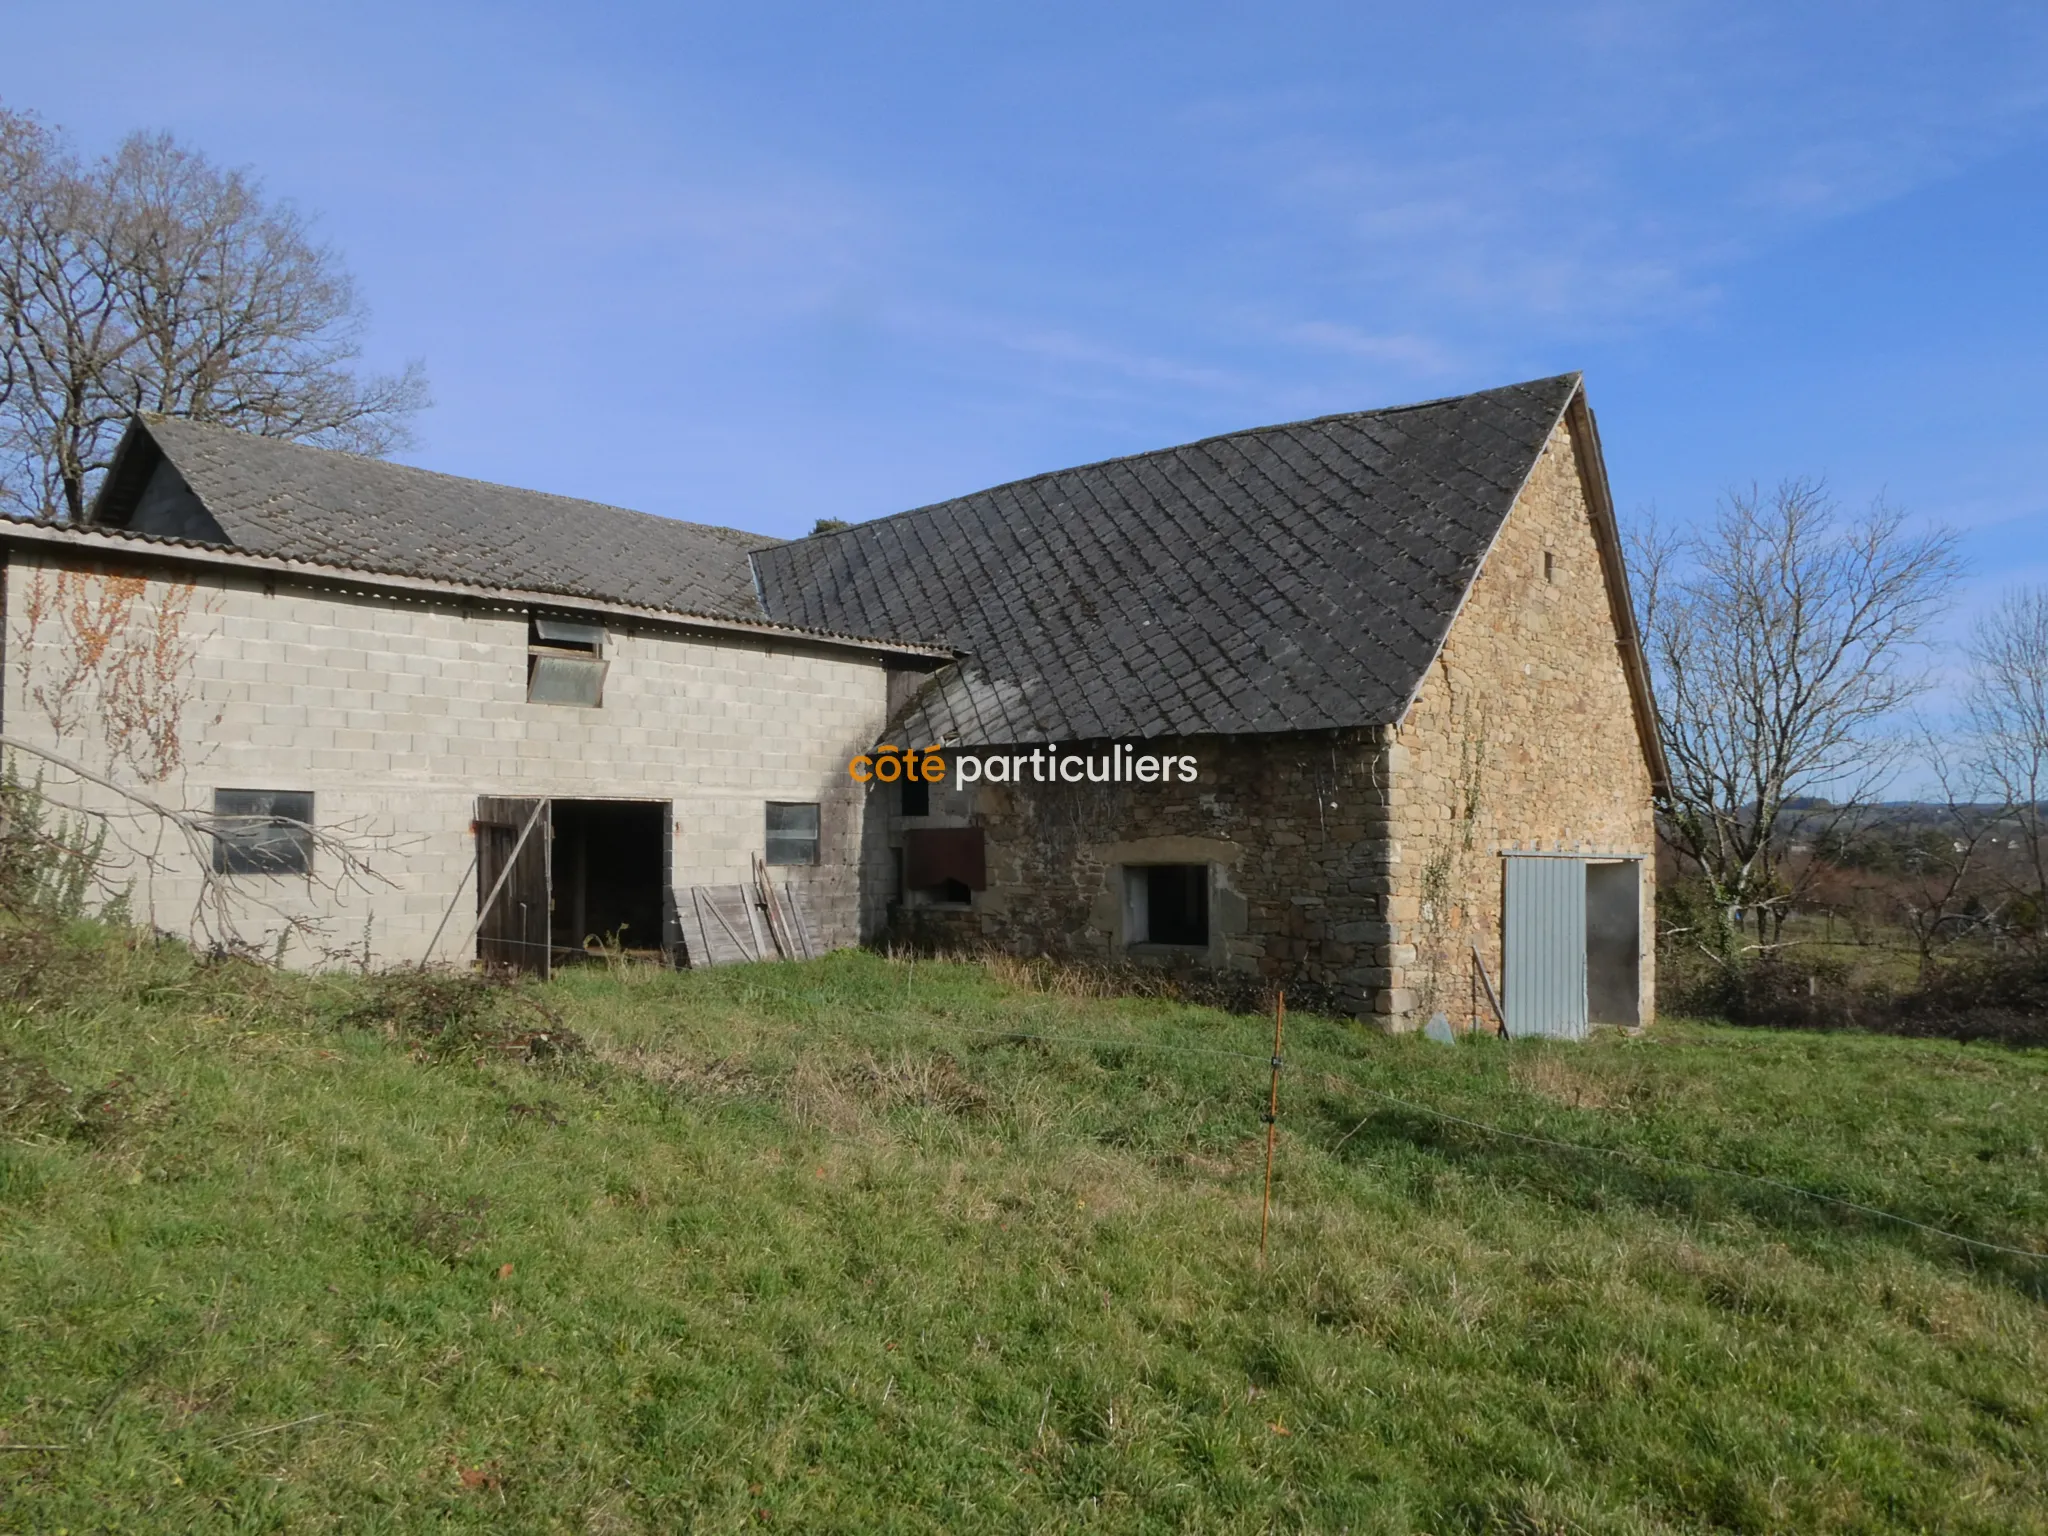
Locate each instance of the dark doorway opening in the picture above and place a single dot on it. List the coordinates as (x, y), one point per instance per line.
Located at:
(1614, 942)
(1166, 904)
(610, 876)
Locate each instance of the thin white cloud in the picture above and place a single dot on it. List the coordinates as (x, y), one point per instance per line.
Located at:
(1081, 362)
(1417, 354)
(1065, 347)
(1616, 193)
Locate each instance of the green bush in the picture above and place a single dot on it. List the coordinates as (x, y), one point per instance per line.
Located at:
(47, 863)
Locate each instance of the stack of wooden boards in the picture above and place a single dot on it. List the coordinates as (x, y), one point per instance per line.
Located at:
(732, 924)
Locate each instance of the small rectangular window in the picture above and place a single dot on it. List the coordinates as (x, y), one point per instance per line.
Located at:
(262, 832)
(1166, 904)
(564, 662)
(792, 833)
(565, 680)
(581, 637)
(1549, 566)
(917, 798)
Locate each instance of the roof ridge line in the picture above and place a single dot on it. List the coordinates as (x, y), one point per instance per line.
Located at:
(1199, 442)
(150, 420)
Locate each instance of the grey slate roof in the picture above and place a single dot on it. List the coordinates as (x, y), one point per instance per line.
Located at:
(270, 497)
(1297, 577)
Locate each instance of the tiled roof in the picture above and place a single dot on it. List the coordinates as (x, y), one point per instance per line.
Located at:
(1298, 577)
(271, 497)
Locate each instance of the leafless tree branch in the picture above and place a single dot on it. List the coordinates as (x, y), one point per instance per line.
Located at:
(1783, 643)
(153, 280)
(2006, 718)
(218, 916)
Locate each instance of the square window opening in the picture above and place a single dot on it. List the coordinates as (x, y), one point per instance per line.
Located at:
(1166, 904)
(944, 866)
(564, 662)
(792, 833)
(262, 832)
(915, 799)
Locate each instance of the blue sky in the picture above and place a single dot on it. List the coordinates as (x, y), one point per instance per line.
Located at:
(761, 264)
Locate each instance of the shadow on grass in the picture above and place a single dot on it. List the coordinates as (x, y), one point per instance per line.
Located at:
(1592, 1181)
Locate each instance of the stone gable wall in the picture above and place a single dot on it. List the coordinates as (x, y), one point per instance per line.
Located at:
(1359, 867)
(1523, 736)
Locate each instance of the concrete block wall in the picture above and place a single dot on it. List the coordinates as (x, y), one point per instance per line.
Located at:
(398, 712)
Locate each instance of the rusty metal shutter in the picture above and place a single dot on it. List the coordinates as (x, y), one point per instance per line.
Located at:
(1544, 946)
(514, 930)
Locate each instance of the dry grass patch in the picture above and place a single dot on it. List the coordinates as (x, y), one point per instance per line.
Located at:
(846, 1095)
(1549, 1075)
(719, 1077)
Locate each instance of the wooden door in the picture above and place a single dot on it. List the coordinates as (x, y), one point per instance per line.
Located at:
(513, 930)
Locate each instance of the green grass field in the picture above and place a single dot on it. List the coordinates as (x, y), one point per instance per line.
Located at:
(844, 1247)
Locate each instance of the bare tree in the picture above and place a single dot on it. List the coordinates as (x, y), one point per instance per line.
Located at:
(1940, 896)
(1782, 642)
(2006, 710)
(153, 280)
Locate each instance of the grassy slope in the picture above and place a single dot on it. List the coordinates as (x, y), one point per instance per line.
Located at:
(819, 1248)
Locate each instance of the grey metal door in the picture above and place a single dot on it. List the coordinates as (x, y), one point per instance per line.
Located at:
(1544, 947)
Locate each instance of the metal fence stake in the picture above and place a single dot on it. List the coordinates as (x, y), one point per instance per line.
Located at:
(1272, 1121)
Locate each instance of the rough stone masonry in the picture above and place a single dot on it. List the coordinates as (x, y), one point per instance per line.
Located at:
(1360, 866)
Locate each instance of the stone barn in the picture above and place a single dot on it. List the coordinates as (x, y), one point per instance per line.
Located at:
(1352, 705)
(1399, 649)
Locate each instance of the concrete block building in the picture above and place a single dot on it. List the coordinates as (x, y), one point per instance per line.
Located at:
(1353, 705)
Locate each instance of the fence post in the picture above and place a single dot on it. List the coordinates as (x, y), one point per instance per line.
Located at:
(1272, 1121)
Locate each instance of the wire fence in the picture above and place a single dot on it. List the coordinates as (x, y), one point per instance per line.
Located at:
(1636, 1154)
(1270, 1115)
